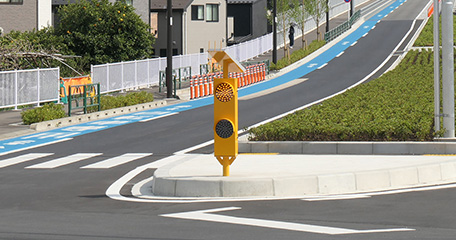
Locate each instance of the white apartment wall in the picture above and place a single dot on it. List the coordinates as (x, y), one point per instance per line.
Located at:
(44, 13)
(198, 34)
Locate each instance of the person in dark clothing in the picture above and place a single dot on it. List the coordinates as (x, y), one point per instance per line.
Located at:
(291, 35)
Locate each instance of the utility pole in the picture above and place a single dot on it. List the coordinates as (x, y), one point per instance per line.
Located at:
(169, 50)
(448, 68)
(436, 67)
(274, 32)
(352, 8)
(327, 15)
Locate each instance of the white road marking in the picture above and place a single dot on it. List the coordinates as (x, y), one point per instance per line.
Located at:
(64, 161)
(39, 145)
(113, 191)
(365, 34)
(340, 54)
(322, 66)
(312, 65)
(207, 215)
(157, 117)
(345, 43)
(353, 44)
(22, 158)
(119, 160)
(335, 197)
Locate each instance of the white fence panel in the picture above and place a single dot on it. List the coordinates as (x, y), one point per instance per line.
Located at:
(23, 87)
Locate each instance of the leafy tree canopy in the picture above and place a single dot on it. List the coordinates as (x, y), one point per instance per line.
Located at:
(103, 32)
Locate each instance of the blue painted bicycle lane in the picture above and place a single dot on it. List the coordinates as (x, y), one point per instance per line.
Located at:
(67, 133)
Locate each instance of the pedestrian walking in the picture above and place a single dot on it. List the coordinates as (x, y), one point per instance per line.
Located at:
(291, 35)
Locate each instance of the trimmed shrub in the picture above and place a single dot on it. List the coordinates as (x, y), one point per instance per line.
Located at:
(297, 55)
(396, 107)
(46, 112)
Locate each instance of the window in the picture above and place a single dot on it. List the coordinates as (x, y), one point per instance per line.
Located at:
(11, 1)
(212, 12)
(197, 12)
(128, 2)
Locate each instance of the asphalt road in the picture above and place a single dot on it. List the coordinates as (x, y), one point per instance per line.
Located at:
(69, 202)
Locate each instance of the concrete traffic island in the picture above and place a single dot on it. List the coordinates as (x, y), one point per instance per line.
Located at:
(199, 175)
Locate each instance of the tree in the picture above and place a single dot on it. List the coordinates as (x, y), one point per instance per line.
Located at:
(301, 17)
(34, 49)
(286, 11)
(317, 9)
(102, 32)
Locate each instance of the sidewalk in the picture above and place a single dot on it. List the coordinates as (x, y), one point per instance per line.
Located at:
(276, 176)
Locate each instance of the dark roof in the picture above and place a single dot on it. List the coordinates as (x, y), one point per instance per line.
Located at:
(177, 4)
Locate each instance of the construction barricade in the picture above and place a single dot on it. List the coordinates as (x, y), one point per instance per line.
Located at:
(65, 84)
(202, 85)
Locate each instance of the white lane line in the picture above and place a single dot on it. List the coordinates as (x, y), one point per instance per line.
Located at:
(365, 34)
(157, 117)
(39, 145)
(22, 158)
(113, 191)
(322, 66)
(64, 160)
(340, 54)
(353, 44)
(335, 197)
(195, 147)
(119, 160)
(208, 215)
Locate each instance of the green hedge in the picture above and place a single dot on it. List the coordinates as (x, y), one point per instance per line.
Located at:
(426, 37)
(297, 55)
(396, 107)
(110, 102)
(53, 111)
(46, 112)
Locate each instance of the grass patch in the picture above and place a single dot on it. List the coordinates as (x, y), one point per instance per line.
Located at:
(395, 107)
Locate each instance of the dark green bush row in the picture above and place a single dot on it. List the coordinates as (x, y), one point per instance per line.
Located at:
(396, 107)
(297, 55)
(426, 37)
(46, 112)
(110, 102)
(54, 111)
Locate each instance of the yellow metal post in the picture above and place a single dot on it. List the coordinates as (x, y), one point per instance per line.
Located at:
(226, 111)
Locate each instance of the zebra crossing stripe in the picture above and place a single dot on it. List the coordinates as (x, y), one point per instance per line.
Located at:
(64, 160)
(119, 160)
(22, 158)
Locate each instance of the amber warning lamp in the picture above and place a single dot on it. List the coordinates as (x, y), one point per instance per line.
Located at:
(226, 111)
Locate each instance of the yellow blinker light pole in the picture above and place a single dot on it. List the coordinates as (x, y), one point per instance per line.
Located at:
(226, 111)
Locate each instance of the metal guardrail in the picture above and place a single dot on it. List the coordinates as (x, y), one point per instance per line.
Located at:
(88, 93)
(339, 30)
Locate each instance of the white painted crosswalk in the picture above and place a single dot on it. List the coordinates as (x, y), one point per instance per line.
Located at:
(116, 161)
(23, 158)
(104, 163)
(65, 160)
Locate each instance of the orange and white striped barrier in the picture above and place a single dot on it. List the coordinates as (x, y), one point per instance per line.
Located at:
(202, 85)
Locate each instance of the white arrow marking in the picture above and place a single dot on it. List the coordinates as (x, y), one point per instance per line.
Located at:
(312, 65)
(207, 215)
(345, 43)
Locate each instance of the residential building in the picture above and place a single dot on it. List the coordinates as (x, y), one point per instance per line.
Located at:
(24, 15)
(248, 18)
(197, 25)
